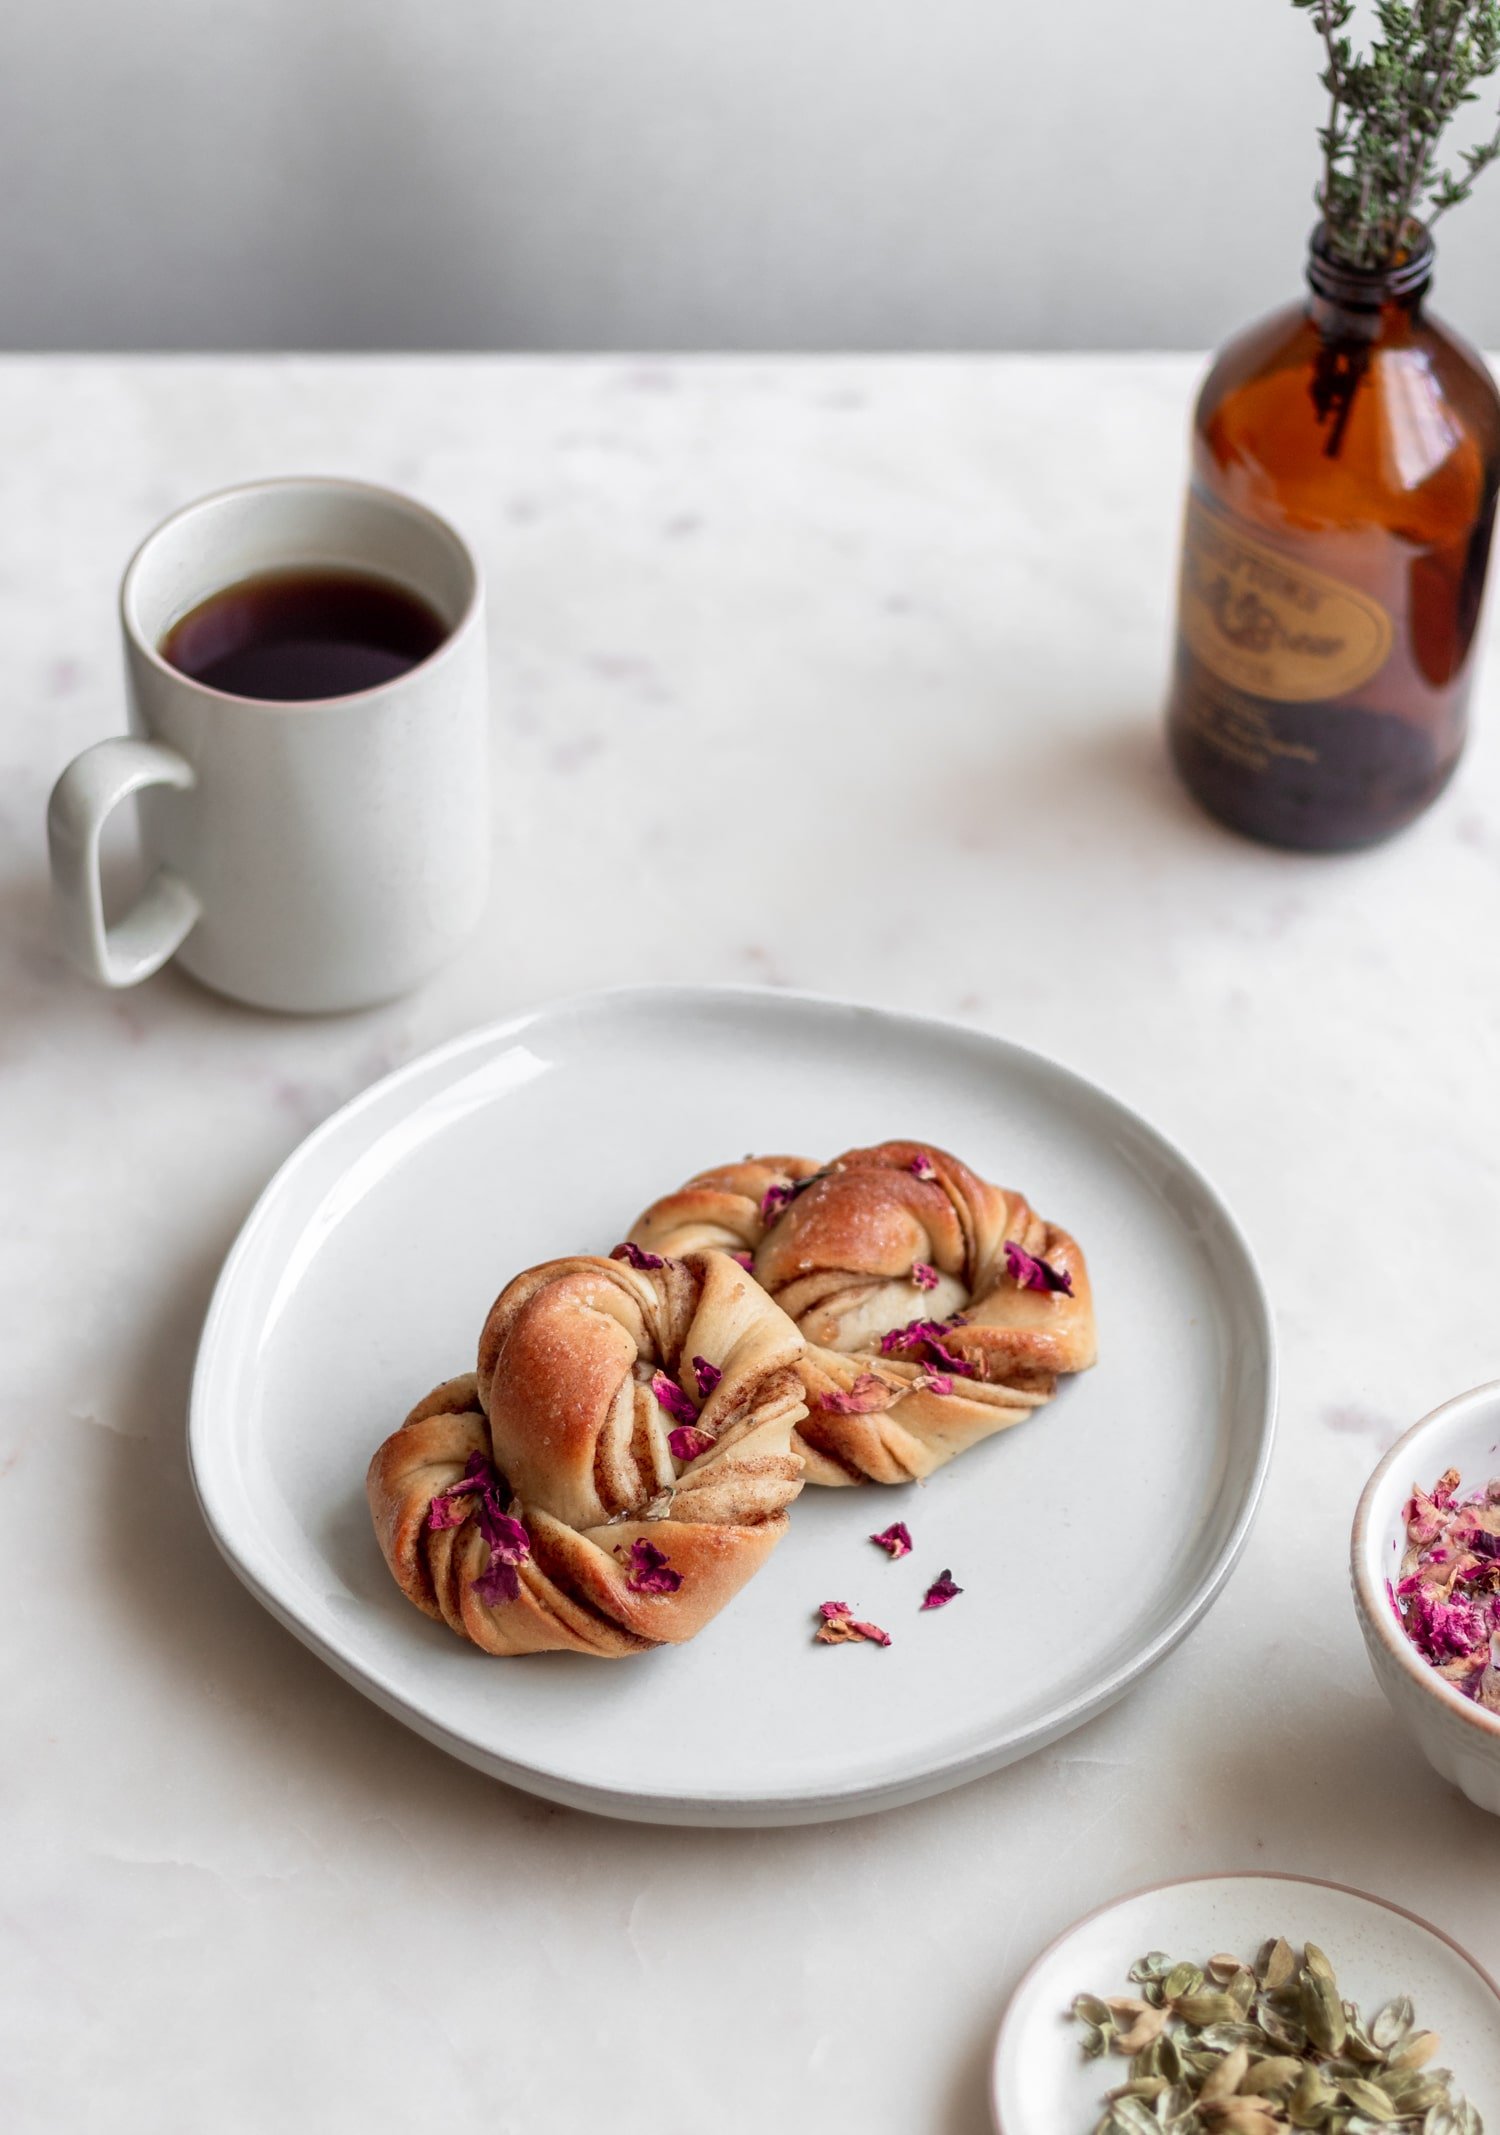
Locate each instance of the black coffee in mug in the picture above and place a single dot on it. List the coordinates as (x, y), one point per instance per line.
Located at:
(290, 636)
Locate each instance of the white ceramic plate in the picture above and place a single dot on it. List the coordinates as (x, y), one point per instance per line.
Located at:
(1042, 2085)
(362, 1278)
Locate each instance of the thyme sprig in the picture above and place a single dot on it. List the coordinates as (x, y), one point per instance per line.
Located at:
(1389, 106)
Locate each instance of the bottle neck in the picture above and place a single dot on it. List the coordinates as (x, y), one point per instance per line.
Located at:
(1366, 303)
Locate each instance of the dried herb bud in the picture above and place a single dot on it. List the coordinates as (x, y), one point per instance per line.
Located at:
(1139, 2024)
(1323, 2012)
(1276, 2073)
(1416, 2051)
(1231, 2049)
(1276, 1967)
(1182, 1979)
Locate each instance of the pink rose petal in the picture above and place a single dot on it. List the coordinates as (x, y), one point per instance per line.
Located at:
(920, 1167)
(649, 1572)
(447, 1511)
(924, 1276)
(478, 1496)
(635, 1257)
(941, 1592)
(895, 1540)
(689, 1443)
(707, 1375)
(1446, 1593)
(866, 1394)
(839, 1627)
(1029, 1273)
(922, 1341)
(673, 1399)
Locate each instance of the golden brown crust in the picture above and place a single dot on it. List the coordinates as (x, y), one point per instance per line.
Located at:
(576, 1447)
(865, 1245)
(718, 1210)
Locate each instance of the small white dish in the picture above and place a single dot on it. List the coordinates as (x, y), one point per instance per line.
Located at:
(362, 1278)
(1041, 2083)
(1458, 1738)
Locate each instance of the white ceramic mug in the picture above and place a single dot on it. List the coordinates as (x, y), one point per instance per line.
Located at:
(309, 855)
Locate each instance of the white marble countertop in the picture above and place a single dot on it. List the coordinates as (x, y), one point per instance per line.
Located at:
(836, 674)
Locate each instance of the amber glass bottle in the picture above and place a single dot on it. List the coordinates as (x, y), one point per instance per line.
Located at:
(1345, 458)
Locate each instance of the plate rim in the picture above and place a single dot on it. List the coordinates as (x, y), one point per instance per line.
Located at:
(913, 1780)
(1226, 1875)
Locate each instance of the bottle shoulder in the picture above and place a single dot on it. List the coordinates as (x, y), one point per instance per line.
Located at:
(1298, 430)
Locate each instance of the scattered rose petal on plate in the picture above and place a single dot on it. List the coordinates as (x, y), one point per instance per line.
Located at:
(895, 1540)
(840, 1628)
(941, 1591)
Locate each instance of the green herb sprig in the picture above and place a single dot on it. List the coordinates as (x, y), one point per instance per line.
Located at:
(1388, 108)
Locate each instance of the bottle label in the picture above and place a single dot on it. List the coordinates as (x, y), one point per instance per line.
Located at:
(1265, 623)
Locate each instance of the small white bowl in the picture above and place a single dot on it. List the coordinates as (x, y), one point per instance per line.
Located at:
(1458, 1738)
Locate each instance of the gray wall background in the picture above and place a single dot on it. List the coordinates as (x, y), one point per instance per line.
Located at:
(658, 174)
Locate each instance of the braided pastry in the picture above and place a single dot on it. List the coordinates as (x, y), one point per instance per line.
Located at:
(617, 1468)
(938, 1309)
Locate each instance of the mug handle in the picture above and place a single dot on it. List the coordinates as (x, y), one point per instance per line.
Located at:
(157, 923)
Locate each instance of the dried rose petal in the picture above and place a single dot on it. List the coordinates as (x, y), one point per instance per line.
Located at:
(920, 1167)
(1488, 1688)
(1448, 1591)
(707, 1375)
(746, 1261)
(932, 1382)
(689, 1443)
(1029, 1273)
(867, 1393)
(895, 1540)
(478, 1496)
(941, 1592)
(923, 1341)
(776, 1198)
(635, 1256)
(673, 1399)
(869, 1631)
(478, 1481)
(649, 1572)
(923, 1275)
(447, 1510)
(510, 1547)
(1445, 1630)
(840, 1628)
